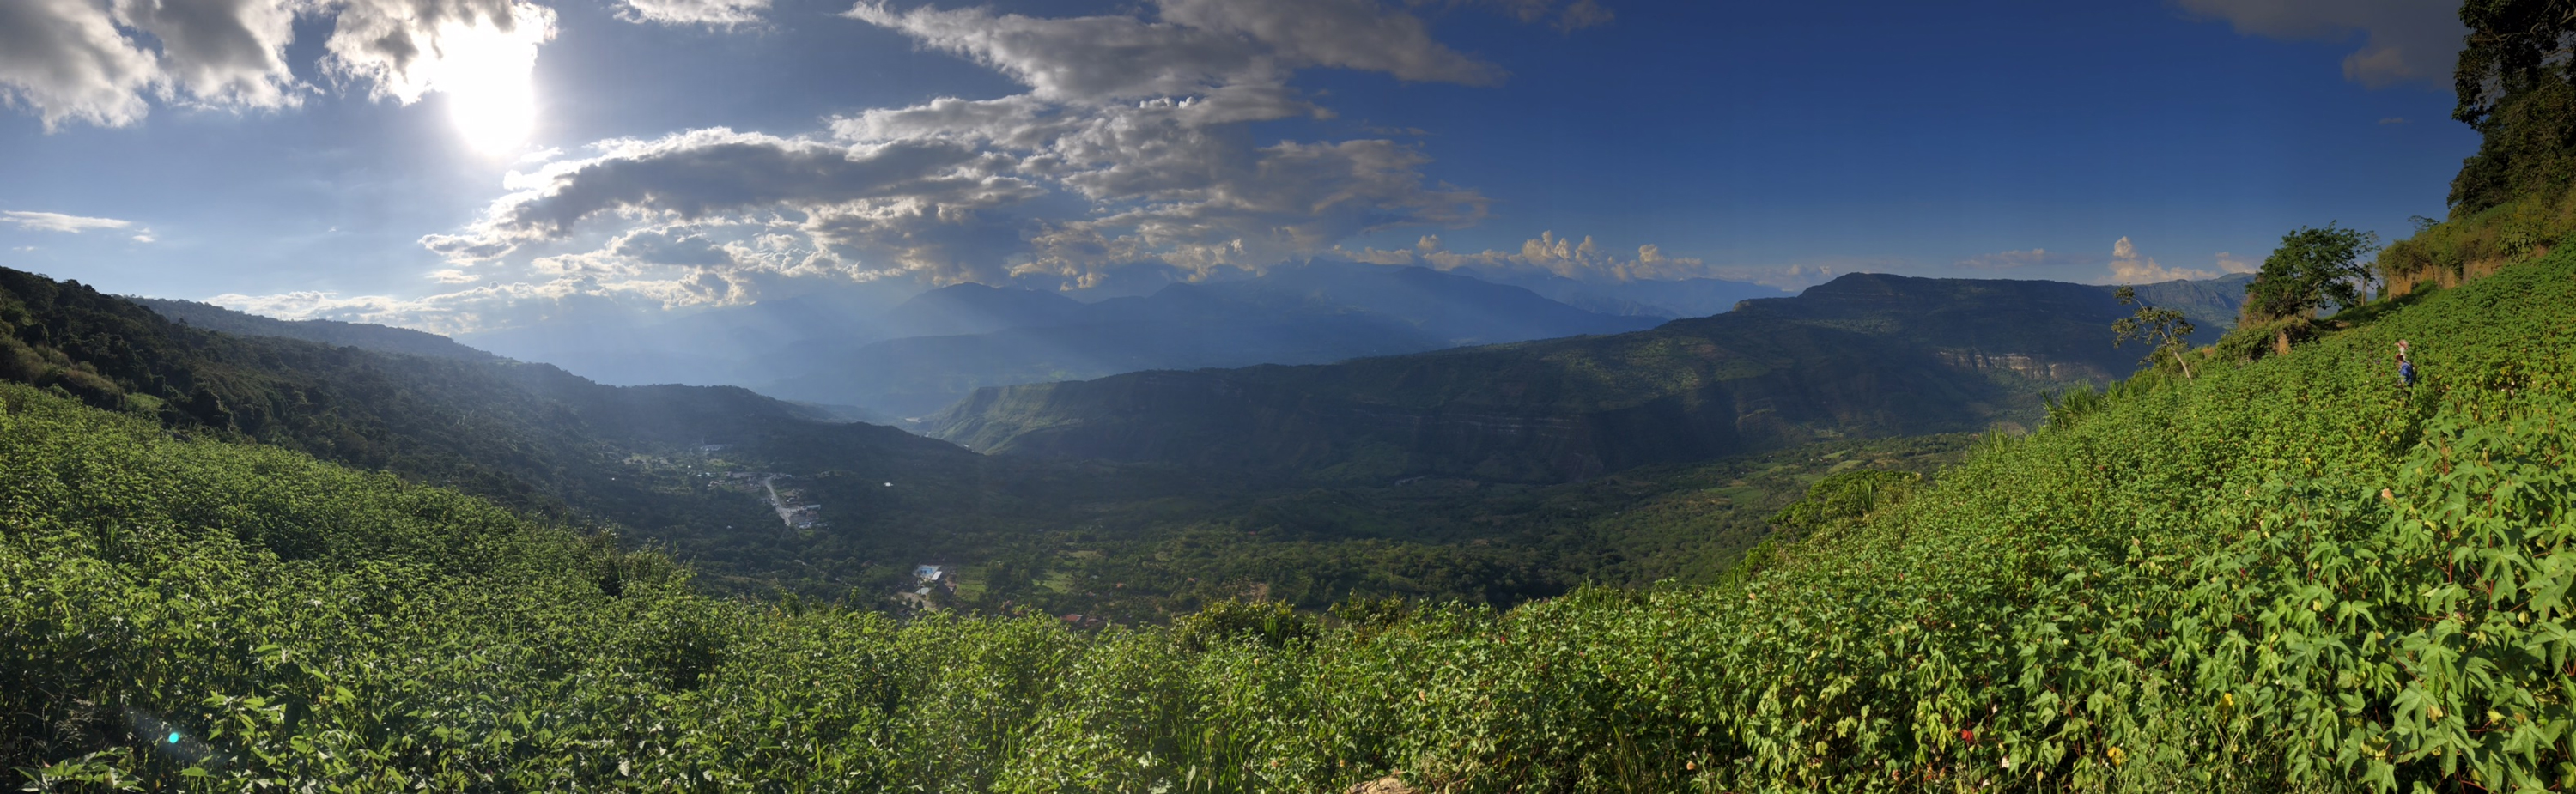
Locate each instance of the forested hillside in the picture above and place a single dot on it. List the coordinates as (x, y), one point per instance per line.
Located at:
(378, 338)
(1865, 355)
(690, 469)
(2289, 574)
(529, 436)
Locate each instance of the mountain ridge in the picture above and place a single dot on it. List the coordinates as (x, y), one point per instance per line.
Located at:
(1866, 354)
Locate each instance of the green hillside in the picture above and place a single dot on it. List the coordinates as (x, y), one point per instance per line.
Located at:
(2291, 574)
(330, 332)
(1864, 355)
(529, 436)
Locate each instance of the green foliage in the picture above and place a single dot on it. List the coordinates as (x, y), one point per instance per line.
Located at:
(2289, 575)
(2166, 332)
(1847, 498)
(2311, 269)
(2473, 244)
(2514, 87)
(1267, 623)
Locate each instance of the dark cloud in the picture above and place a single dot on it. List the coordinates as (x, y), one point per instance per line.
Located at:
(669, 247)
(702, 173)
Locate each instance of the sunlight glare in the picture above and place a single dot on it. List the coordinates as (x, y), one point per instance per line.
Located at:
(488, 77)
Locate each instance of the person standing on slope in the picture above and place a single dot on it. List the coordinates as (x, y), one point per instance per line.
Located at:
(2405, 368)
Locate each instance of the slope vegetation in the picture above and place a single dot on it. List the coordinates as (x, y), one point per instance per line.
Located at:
(2289, 575)
(529, 436)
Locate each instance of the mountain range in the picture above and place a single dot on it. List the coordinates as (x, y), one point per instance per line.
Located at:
(1865, 354)
(889, 354)
(664, 464)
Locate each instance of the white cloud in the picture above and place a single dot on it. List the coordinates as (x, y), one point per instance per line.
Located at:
(2231, 263)
(66, 61)
(1127, 157)
(2130, 267)
(221, 52)
(1196, 46)
(2403, 40)
(58, 222)
(101, 61)
(712, 13)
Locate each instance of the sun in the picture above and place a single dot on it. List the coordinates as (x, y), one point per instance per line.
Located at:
(488, 75)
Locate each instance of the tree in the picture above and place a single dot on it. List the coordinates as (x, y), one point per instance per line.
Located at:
(2514, 87)
(2312, 267)
(2164, 329)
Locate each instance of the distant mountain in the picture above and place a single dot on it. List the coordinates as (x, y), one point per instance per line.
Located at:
(2210, 304)
(1695, 297)
(1316, 313)
(972, 308)
(1865, 354)
(718, 346)
(382, 339)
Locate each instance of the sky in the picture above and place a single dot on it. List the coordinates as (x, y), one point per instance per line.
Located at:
(471, 165)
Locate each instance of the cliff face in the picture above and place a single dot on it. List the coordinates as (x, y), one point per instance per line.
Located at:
(1864, 355)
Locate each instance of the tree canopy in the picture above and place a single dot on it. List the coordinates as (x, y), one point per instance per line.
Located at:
(2515, 87)
(2313, 267)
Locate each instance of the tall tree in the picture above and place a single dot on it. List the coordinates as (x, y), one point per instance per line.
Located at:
(2313, 267)
(2515, 86)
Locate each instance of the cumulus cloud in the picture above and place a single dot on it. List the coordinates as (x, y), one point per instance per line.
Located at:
(58, 222)
(2402, 40)
(1128, 156)
(702, 173)
(66, 61)
(712, 13)
(220, 52)
(2231, 263)
(101, 61)
(2130, 267)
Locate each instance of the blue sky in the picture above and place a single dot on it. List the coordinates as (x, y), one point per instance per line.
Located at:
(666, 155)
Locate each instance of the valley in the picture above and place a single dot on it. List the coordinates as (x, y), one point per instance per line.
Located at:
(766, 497)
(1287, 397)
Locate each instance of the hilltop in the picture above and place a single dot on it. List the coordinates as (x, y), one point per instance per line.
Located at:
(381, 339)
